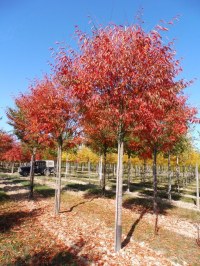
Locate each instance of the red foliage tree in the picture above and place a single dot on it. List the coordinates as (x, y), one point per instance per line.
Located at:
(99, 135)
(123, 66)
(19, 118)
(164, 123)
(52, 115)
(6, 142)
(16, 154)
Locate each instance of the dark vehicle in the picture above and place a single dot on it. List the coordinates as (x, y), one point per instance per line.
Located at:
(40, 167)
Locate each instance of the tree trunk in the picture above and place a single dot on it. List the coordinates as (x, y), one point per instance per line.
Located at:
(145, 169)
(66, 168)
(129, 172)
(58, 181)
(197, 186)
(12, 168)
(114, 170)
(155, 203)
(177, 174)
(183, 169)
(104, 174)
(118, 212)
(89, 170)
(100, 170)
(32, 173)
(169, 178)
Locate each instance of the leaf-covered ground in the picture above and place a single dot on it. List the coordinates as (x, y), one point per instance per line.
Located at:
(83, 233)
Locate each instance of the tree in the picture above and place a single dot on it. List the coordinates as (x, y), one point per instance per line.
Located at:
(6, 142)
(16, 154)
(164, 125)
(98, 135)
(123, 66)
(19, 118)
(52, 112)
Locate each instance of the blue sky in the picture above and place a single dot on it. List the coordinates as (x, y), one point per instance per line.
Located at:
(28, 29)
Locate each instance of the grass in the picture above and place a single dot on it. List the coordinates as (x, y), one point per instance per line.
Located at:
(79, 187)
(23, 182)
(172, 245)
(92, 187)
(190, 215)
(10, 176)
(92, 184)
(24, 242)
(44, 190)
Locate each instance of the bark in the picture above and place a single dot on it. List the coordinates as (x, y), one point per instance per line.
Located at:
(12, 168)
(129, 172)
(66, 168)
(169, 178)
(155, 191)
(177, 174)
(184, 176)
(118, 212)
(104, 174)
(114, 170)
(100, 170)
(145, 169)
(197, 186)
(89, 170)
(32, 173)
(58, 181)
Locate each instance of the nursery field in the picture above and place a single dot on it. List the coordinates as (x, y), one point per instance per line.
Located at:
(83, 232)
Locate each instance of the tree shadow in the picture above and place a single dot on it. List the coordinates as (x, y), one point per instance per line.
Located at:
(124, 188)
(14, 188)
(19, 196)
(141, 185)
(12, 180)
(21, 181)
(147, 204)
(10, 220)
(176, 196)
(98, 193)
(7, 182)
(66, 257)
(3, 196)
(132, 229)
(44, 191)
(44, 259)
(79, 187)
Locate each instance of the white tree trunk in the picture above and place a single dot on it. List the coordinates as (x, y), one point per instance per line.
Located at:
(66, 168)
(58, 181)
(118, 211)
(100, 169)
(169, 178)
(155, 192)
(129, 173)
(89, 170)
